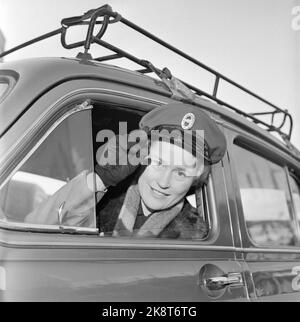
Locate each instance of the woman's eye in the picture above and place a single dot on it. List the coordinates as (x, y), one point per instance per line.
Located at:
(181, 173)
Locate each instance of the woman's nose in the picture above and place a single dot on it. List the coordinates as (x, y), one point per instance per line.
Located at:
(163, 180)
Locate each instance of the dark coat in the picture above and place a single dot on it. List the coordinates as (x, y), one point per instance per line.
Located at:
(186, 225)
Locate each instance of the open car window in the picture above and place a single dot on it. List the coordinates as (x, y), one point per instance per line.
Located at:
(50, 187)
(115, 215)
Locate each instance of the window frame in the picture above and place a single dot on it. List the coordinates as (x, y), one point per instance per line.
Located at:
(134, 102)
(260, 147)
(208, 198)
(47, 128)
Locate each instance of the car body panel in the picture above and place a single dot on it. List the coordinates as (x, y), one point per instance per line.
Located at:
(54, 72)
(64, 267)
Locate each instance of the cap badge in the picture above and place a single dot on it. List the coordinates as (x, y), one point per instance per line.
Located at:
(188, 121)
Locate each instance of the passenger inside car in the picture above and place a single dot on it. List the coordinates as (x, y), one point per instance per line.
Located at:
(154, 204)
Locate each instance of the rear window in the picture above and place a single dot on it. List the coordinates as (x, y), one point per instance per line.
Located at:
(266, 200)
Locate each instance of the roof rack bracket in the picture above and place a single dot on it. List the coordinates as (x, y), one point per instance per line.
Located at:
(179, 91)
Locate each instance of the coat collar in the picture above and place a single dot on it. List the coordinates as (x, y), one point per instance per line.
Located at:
(152, 227)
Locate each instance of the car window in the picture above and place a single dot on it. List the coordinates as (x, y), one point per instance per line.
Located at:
(52, 179)
(120, 211)
(51, 187)
(265, 198)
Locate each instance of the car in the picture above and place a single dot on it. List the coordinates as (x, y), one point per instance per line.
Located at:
(51, 111)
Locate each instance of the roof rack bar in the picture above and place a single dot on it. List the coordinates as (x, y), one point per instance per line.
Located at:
(219, 101)
(272, 117)
(216, 86)
(282, 123)
(32, 41)
(251, 116)
(181, 53)
(247, 115)
(165, 44)
(265, 113)
(119, 51)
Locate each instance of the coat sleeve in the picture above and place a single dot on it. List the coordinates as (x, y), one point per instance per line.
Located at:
(72, 205)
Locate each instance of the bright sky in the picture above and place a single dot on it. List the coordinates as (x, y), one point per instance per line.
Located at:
(250, 41)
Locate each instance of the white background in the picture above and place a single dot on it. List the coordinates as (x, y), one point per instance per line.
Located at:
(251, 41)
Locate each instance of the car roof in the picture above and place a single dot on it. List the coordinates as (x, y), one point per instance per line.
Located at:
(36, 75)
(54, 71)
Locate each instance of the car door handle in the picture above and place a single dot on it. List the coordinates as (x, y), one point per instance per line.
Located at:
(220, 282)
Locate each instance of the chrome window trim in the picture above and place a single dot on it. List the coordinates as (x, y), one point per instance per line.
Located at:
(73, 95)
(266, 250)
(40, 227)
(78, 108)
(31, 227)
(111, 243)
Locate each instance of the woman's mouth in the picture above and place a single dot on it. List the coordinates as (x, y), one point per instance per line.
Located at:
(159, 193)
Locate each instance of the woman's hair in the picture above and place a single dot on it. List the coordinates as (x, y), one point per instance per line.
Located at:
(203, 178)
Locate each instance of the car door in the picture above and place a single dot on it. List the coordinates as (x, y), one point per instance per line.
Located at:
(43, 259)
(267, 200)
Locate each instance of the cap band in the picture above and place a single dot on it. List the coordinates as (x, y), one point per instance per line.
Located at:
(186, 139)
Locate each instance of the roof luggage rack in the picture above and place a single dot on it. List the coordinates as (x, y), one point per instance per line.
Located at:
(186, 91)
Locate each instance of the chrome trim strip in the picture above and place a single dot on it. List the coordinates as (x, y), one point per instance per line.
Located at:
(46, 228)
(136, 244)
(269, 250)
(117, 244)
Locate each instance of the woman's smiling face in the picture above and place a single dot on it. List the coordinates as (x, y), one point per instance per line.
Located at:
(169, 176)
